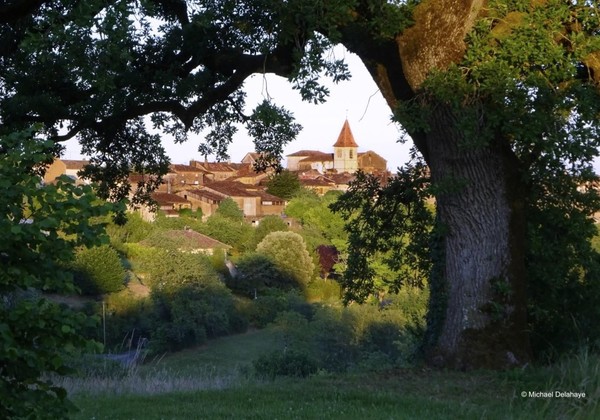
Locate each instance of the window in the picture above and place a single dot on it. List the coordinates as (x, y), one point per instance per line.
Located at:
(351, 154)
(339, 153)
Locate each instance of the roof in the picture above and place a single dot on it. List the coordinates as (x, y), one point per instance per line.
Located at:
(253, 155)
(215, 166)
(207, 194)
(370, 153)
(324, 157)
(141, 177)
(307, 153)
(185, 168)
(317, 182)
(194, 240)
(343, 178)
(345, 139)
(75, 164)
(265, 196)
(186, 240)
(167, 198)
(231, 188)
(247, 169)
(237, 189)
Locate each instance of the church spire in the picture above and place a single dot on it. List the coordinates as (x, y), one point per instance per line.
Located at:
(345, 139)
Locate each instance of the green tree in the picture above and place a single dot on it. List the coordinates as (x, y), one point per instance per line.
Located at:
(134, 230)
(284, 184)
(500, 98)
(267, 225)
(288, 251)
(258, 272)
(40, 227)
(229, 209)
(191, 303)
(238, 234)
(98, 270)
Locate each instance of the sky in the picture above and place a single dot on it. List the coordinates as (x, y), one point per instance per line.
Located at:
(358, 100)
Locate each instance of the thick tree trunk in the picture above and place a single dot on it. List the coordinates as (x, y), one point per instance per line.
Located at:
(477, 314)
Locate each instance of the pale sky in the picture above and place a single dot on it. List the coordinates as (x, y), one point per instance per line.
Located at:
(358, 99)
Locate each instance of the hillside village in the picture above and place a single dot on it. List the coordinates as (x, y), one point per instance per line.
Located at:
(204, 185)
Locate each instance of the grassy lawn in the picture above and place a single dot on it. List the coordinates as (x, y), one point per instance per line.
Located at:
(399, 394)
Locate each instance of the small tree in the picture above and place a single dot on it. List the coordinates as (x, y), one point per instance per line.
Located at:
(267, 225)
(191, 303)
(238, 234)
(285, 184)
(98, 270)
(288, 251)
(257, 272)
(229, 208)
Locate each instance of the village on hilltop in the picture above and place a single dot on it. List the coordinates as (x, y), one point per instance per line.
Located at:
(204, 185)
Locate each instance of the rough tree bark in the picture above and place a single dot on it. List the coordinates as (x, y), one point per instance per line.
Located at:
(478, 312)
(482, 319)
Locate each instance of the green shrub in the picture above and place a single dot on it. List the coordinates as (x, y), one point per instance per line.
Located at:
(190, 302)
(266, 308)
(360, 337)
(322, 290)
(236, 233)
(134, 230)
(98, 270)
(287, 363)
(257, 273)
(127, 320)
(288, 252)
(267, 225)
(229, 209)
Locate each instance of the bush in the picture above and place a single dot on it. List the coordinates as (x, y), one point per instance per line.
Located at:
(134, 230)
(320, 290)
(267, 225)
(266, 308)
(98, 270)
(287, 363)
(191, 304)
(258, 273)
(229, 209)
(288, 252)
(127, 319)
(236, 233)
(360, 337)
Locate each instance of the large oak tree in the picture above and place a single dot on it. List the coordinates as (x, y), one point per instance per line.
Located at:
(498, 96)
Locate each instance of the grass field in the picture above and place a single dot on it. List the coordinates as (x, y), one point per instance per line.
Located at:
(209, 383)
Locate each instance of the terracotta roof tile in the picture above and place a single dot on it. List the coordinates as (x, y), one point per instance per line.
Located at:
(196, 240)
(345, 139)
(215, 166)
(75, 164)
(324, 157)
(167, 198)
(207, 194)
(307, 153)
(190, 240)
(185, 168)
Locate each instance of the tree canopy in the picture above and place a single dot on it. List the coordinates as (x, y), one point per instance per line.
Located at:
(500, 98)
(40, 228)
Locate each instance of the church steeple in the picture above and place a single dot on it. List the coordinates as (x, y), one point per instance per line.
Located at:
(345, 151)
(345, 139)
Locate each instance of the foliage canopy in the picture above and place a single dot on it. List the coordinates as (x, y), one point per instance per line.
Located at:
(40, 228)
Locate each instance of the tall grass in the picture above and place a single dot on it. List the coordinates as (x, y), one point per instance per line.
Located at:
(158, 381)
(578, 373)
